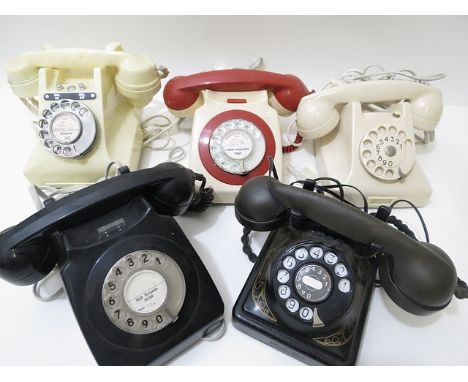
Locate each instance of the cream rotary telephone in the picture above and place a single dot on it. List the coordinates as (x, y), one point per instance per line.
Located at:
(235, 122)
(89, 105)
(371, 149)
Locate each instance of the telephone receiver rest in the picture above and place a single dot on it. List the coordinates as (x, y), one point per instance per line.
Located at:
(419, 277)
(317, 113)
(137, 77)
(25, 249)
(182, 94)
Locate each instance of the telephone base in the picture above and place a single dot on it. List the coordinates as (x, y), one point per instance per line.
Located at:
(87, 257)
(258, 314)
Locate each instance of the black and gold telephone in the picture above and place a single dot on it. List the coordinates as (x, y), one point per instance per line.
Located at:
(137, 287)
(309, 291)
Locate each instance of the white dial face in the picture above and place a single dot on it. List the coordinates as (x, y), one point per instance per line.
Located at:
(145, 291)
(237, 146)
(387, 153)
(66, 128)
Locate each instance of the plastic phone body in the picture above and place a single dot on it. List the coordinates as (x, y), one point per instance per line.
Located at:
(138, 289)
(89, 105)
(235, 122)
(372, 150)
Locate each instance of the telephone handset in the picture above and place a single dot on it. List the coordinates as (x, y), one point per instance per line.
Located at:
(373, 150)
(138, 289)
(313, 279)
(89, 106)
(235, 122)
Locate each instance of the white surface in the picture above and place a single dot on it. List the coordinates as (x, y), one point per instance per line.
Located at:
(316, 49)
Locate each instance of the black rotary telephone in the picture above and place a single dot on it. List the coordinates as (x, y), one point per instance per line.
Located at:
(138, 289)
(309, 291)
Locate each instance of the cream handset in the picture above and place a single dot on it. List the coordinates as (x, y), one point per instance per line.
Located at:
(89, 105)
(373, 147)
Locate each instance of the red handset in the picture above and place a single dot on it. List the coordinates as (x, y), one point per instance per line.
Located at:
(182, 92)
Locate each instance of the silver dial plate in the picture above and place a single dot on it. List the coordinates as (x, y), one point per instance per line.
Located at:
(237, 146)
(143, 292)
(67, 128)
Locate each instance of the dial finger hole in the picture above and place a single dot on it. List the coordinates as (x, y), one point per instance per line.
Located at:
(372, 135)
(65, 104)
(367, 154)
(49, 143)
(43, 124)
(371, 164)
(379, 171)
(75, 106)
(57, 150)
(392, 130)
(389, 173)
(401, 135)
(408, 143)
(382, 130)
(367, 144)
(54, 107)
(43, 134)
(67, 151)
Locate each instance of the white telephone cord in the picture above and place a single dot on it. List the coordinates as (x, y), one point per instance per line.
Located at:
(39, 194)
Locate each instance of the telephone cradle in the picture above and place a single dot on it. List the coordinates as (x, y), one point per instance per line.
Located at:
(138, 289)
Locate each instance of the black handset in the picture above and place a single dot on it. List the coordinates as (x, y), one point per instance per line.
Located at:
(419, 277)
(137, 287)
(309, 291)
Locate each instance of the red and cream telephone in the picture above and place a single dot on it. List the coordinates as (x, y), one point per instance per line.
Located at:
(235, 122)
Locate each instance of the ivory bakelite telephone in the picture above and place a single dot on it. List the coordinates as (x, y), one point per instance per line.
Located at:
(235, 122)
(309, 291)
(138, 289)
(89, 105)
(373, 148)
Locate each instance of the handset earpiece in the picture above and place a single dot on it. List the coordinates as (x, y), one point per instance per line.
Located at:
(427, 110)
(419, 277)
(255, 207)
(173, 196)
(316, 117)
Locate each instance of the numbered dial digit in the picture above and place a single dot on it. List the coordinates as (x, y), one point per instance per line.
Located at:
(237, 146)
(387, 153)
(313, 283)
(143, 292)
(282, 276)
(301, 253)
(67, 129)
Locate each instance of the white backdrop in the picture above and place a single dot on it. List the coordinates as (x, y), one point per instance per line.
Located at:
(313, 48)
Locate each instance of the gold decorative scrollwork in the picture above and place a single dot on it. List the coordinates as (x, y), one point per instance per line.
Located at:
(259, 298)
(338, 338)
